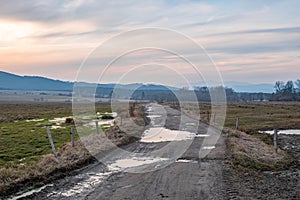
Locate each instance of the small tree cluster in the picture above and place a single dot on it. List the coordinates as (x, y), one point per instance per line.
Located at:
(289, 91)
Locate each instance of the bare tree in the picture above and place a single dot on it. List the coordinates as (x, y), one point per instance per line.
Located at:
(289, 88)
(297, 83)
(279, 86)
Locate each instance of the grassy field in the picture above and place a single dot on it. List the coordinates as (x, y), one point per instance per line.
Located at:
(24, 142)
(25, 152)
(23, 137)
(256, 115)
(263, 116)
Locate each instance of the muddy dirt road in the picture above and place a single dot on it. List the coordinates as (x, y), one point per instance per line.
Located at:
(168, 174)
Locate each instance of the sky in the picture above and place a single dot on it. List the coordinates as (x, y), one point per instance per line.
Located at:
(248, 41)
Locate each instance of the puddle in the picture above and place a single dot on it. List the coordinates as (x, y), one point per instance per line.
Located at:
(202, 135)
(160, 134)
(56, 127)
(30, 192)
(123, 164)
(208, 147)
(153, 116)
(104, 122)
(59, 120)
(92, 180)
(186, 161)
(87, 185)
(283, 132)
(114, 114)
(190, 124)
(34, 120)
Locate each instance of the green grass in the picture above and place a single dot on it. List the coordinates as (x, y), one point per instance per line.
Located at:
(23, 142)
(28, 140)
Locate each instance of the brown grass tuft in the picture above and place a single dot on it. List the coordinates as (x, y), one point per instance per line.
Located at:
(249, 152)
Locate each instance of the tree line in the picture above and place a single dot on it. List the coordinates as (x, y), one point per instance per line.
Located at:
(289, 91)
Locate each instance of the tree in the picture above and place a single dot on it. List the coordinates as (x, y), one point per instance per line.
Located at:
(279, 86)
(143, 95)
(297, 83)
(289, 88)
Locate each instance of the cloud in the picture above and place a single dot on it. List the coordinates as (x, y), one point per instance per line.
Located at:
(229, 31)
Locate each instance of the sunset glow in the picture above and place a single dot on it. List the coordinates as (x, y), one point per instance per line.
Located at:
(244, 39)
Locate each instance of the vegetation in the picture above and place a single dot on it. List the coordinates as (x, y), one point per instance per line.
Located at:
(24, 142)
(25, 152)
(250, 153)
(287, 91)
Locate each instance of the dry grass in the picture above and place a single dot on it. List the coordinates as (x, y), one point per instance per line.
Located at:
(249, 152)
(253, 116)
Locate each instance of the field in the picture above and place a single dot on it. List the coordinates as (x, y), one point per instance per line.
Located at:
(23, 137)
(254, 116)
(24, 142)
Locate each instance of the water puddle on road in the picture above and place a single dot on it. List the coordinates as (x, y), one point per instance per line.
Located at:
(93, 180)
(26, 194)
(161, 134)
(283, 132)
(122, 164)
(208, 147)
(186, 161)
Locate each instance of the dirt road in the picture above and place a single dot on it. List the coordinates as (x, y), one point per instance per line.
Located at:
(182, 175)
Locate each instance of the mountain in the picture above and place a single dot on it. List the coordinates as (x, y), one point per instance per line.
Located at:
(14, 82)
(250, 88)
(10, 81)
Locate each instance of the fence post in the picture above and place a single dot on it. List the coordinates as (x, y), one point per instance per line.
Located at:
(237, 123)
(97, 127)
(51, 141)
(72, 137)
(276, 140)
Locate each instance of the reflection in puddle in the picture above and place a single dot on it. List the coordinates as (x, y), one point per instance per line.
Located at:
(30, 192)
(34, 120)
(153, 116)
(123, 164)
(202, 135)
(59, 120)
(160, 134)
(208, 147)
(56, 127)
(94, 179)
(190, 124)
(186, 161)
(87, 185)
(283, 132)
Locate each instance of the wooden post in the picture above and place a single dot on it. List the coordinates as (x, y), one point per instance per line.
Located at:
(121, 121)
(276, 140)
(72, 137)
(51, 141)
(237, 123)
(208, 117)
(97, 127)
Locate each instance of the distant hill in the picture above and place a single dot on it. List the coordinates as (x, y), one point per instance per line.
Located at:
(10, 81)
(14, 82)
(250, 88)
